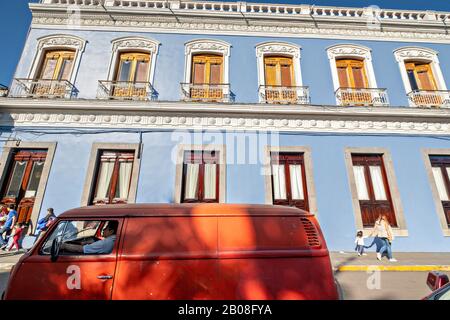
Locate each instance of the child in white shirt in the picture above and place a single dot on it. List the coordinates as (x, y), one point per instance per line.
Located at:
(359, 241)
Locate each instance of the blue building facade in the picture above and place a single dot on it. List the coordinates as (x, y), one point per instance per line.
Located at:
(339, 111)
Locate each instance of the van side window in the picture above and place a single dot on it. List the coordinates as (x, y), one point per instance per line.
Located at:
(83, 237)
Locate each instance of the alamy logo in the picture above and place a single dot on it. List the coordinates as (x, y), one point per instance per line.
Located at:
(374, 279)
(74, 279)
(373, 17)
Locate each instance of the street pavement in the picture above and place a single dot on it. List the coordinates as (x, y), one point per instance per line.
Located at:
(366, 284)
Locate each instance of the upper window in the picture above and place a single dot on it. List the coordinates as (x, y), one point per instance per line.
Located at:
(422, 76)
(289, 180)
(206, 71)
(53, 71)
(353, 76)
(113, 177)
(279, 73)
(132, 70)
(21, 186)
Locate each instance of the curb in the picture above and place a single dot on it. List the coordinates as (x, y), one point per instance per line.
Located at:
(401, 268)
(6, 265)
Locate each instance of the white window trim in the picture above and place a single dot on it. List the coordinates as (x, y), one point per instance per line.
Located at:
(206, 46)
(351, 51)
(401, 230)
(426, 153)
(307, 160)
(5, 160)
(135, 44)
(419, 54)
(278, 48)
(58, 42)
(90, 182)
(179, 168)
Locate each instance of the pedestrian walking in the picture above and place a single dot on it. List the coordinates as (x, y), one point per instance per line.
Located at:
(9, 223)
(382, 229)
(16, 234)
(45, 222)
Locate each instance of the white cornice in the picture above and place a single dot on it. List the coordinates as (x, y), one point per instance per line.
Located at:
(90, 114)
(329, 22)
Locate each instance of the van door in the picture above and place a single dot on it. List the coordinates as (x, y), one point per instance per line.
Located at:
(74, 275)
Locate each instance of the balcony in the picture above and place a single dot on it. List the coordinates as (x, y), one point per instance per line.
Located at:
(368, 97)
(424, 98)
(3, 91)
(39, 88)
(126, 90)
(206, 92)
(284, 95)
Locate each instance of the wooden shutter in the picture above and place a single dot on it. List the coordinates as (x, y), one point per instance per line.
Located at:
(278, 71)
(358, 77)
(215, 71)
(57, 65)
(286, 79)
(287, 160)
(343, 75)
(441, 167)
(372, 208)
(351, 73)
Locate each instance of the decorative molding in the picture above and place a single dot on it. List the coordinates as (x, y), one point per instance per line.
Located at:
(207, 45)
(278, 48)
(416, 53)
(136, 43)
(170, 116)
(297, 29)
(349, 50)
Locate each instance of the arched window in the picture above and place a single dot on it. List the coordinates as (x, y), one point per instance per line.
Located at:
(53, 71)
(132, 70)
(279, 73)
(422, 77)
(354, 77)
(206, 71)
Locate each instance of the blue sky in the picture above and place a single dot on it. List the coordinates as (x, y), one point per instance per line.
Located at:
(15, 19)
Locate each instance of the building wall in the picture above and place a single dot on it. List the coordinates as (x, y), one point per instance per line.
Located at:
(169, 71)
(245, 181)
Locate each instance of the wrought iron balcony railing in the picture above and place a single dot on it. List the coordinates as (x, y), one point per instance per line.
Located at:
(369, 97)
(41, 88)
(126, 90)
(425, 98)
(3, 91)
(284, 95)
(206, 92)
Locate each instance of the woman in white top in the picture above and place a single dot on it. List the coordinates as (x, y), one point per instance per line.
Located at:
(382, 229)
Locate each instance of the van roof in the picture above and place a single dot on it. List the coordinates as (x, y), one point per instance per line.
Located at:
(204, 209)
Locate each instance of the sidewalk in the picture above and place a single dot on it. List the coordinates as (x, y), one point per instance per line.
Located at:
(407, 262)
(9, 259)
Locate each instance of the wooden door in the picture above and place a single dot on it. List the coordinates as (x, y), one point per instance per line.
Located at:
(55, 70)
(207, 76)
(279, 79)
(132, 75)
(421, 78)
(352, 76)
(24, 175)
(373, 189)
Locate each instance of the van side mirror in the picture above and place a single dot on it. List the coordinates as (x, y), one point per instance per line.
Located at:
(436, 280)
(54, 251)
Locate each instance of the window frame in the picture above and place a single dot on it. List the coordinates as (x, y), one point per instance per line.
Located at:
(426, 153)
(280, 49)
(179, 176)
(351, 51)
(5, 162)
(419, 54)
(401, 230)
(133, 45)
(308, 169)
(58, 42)
(207, 46)
(93, 166)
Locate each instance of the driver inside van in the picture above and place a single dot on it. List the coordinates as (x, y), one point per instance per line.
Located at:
(104, 246)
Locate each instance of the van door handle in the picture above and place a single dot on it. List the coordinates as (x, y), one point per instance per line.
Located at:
(104, 277)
